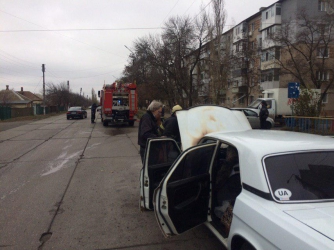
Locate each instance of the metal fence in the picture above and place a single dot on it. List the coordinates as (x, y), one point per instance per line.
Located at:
(5, 113)
(314, 125)
(9, 112)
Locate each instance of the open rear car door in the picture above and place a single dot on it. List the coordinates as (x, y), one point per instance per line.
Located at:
(159, 156)
(181, 201)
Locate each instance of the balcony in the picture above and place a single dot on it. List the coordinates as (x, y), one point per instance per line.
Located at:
(239, 72)
(239, 90)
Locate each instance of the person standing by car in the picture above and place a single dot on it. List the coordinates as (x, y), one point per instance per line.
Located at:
(171, 126)
(148, 127)
(264, 113)
(93, 110)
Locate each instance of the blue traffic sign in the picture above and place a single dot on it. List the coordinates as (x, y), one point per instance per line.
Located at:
(293, 90)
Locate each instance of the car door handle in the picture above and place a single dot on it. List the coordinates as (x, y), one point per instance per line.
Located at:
(190, 200)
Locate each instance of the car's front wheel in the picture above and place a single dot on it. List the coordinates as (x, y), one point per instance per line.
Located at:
(268, 125)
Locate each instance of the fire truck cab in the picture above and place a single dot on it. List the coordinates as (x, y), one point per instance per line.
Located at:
(118, 103)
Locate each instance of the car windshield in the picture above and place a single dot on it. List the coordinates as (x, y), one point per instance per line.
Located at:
(255, 104)
(74, 109)
(301, 176)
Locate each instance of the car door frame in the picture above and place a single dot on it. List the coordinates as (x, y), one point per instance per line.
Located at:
(161, 194)
(145, 182)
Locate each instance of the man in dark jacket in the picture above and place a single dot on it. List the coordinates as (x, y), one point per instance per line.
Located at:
(93, 110)
(171, 125)
(264, 113)
(148, 127)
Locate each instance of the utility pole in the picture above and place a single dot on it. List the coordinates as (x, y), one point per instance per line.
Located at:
(43, 70)
(80, 91)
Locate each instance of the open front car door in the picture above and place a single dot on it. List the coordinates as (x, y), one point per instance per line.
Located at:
(181, 201)
(159, 156)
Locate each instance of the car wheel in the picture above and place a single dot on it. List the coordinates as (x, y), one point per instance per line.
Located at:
(105, 123)
(131, 123)
(68, 118)
(81, 117)
(246, 246)
(268, 125)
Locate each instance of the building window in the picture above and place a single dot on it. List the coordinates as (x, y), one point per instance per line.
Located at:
(323, 52)
(278, 10)
(251, 99)
(322, 5)
(322, 75)
(252, 27)
(267, 15)
(325, 100)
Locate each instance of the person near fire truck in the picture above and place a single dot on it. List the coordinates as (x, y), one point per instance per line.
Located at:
(148, 127)
(93, 110)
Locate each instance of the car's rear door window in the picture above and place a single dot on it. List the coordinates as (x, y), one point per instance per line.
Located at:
(301, 176)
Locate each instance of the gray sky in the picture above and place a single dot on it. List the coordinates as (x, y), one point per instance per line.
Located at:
(86, 58)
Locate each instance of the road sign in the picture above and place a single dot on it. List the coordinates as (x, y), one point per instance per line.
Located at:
(293, 90)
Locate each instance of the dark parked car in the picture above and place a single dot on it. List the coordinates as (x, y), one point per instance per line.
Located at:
(76, 112)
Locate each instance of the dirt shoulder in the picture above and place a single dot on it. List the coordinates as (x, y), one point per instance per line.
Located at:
(19, 121)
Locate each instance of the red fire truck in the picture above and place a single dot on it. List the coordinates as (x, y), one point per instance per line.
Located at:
(118, 103)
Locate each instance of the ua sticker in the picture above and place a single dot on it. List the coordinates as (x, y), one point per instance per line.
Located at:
(283, 194)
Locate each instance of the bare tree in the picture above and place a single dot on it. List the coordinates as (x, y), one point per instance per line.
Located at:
(94, 96)
(218, 65)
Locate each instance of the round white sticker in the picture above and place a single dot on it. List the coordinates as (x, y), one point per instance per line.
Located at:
(283, 194)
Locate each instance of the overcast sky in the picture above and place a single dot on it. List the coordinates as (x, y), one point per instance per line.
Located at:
(88, 58)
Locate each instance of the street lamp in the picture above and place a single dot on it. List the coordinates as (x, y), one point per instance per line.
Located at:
(129, 49)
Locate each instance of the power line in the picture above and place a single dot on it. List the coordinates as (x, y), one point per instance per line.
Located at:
(106, 29)
(170, 12)
(62, 34)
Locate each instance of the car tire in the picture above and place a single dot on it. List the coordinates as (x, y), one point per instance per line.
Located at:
(268, 125)
(81, 117)
(131, 123)
(246, 246)
(105, 123)
(68, 118)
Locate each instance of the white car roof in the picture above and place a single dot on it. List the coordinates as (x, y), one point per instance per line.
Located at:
(253, 145)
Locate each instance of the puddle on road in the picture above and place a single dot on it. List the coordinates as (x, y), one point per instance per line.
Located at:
(115, 131)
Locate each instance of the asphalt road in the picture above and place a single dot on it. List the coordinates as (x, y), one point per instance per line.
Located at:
(70, 184)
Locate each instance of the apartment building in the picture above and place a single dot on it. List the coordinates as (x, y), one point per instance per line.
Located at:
(256, 59)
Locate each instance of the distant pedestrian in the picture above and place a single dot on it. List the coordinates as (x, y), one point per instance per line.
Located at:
(148, 127)
(93, 110)
(171, 125)
(264, 113)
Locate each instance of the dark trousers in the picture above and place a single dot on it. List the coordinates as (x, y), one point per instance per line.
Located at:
(263, 123)
(93, 116)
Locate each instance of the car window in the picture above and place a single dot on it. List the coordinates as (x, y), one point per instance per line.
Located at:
(74, 109)
(162, 152)
(301, 176)
(268, 103)
(196, 162)
(250, 113)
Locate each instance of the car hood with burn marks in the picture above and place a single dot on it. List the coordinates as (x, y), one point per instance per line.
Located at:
(321, 219)
(202, 120)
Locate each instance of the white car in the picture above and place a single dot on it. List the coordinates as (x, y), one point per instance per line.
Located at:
(254, 119)
(275, 192)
